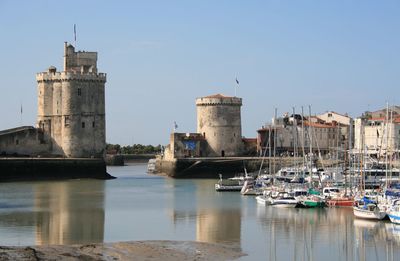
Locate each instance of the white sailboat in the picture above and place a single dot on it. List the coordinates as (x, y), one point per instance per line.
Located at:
(368, 209)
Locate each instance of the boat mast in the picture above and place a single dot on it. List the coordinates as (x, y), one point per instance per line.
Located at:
(269, 149)
(294, 138)
(387, 141)
(362, 155)
(302, 137)
(275, 139)
(310, 135)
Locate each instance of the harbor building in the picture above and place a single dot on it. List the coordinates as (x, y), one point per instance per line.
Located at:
(71, 112)
(346, 125)
(297, 135)
(378, 136)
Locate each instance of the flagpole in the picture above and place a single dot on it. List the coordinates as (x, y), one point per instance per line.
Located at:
(237, 84)
(21, 113)
(75, 35)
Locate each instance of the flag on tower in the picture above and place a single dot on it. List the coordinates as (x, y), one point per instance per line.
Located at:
(237, 81)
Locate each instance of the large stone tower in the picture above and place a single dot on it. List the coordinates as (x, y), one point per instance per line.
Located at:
(71, 106)
(219, 120)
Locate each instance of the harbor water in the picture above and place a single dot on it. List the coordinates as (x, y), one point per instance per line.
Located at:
(139, 206)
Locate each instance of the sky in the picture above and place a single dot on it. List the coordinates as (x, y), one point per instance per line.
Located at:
(159, 56)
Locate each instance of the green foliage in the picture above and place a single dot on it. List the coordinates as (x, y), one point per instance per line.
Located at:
(135, 149)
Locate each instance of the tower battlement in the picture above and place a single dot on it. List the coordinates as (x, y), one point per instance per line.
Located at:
(70, 76)
(218, 99)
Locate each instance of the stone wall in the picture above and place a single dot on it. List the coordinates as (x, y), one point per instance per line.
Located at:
(27, 141)
(55, 168)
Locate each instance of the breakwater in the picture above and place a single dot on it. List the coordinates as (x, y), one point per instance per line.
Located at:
(211, 167)
(16, 169)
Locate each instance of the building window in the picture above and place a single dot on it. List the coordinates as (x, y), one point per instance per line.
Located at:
(79, 91)
(329, 114)
(16, 142)
(93, 124)
(83, 125)
(66, 121)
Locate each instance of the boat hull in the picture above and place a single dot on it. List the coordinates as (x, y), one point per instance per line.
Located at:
(366, 214)
(263, 200)
(340, 202)
(313, 204)
(219, 187)
(394, 217)
(284, 203)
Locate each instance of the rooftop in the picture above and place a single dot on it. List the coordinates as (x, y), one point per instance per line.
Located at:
(218, 96)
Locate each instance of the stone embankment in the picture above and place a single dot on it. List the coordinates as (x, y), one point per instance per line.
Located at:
(16, 169)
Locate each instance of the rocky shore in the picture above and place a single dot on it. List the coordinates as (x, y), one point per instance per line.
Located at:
(132, 250)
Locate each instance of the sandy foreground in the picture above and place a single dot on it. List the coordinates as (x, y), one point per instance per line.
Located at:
(131, 250)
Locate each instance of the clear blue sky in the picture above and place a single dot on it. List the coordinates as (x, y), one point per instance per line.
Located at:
(160, 55)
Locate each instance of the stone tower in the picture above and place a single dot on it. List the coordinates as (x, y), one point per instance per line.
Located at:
(219, 120)
(71, 106)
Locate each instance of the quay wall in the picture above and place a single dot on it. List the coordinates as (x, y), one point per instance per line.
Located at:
(121, 159)
(211, 167)
(16, 169)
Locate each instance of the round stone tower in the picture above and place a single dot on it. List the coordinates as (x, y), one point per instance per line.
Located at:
(219, 120)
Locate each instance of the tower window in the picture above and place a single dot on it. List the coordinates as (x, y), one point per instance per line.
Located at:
(83, 125)
(66, 121)
(16, 142)
(79, 91)
(93, 124)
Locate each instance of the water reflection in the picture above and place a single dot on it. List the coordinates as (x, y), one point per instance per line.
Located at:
(302, 234)
(217, 217)
(70, 212)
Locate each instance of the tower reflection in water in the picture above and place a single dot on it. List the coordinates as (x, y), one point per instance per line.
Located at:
(217, 218)
(69, 212)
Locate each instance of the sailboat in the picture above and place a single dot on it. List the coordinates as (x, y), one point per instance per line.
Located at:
(368, 209)
(313, 200)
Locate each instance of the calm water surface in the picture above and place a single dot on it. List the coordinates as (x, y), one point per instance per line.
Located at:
(138, 206)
